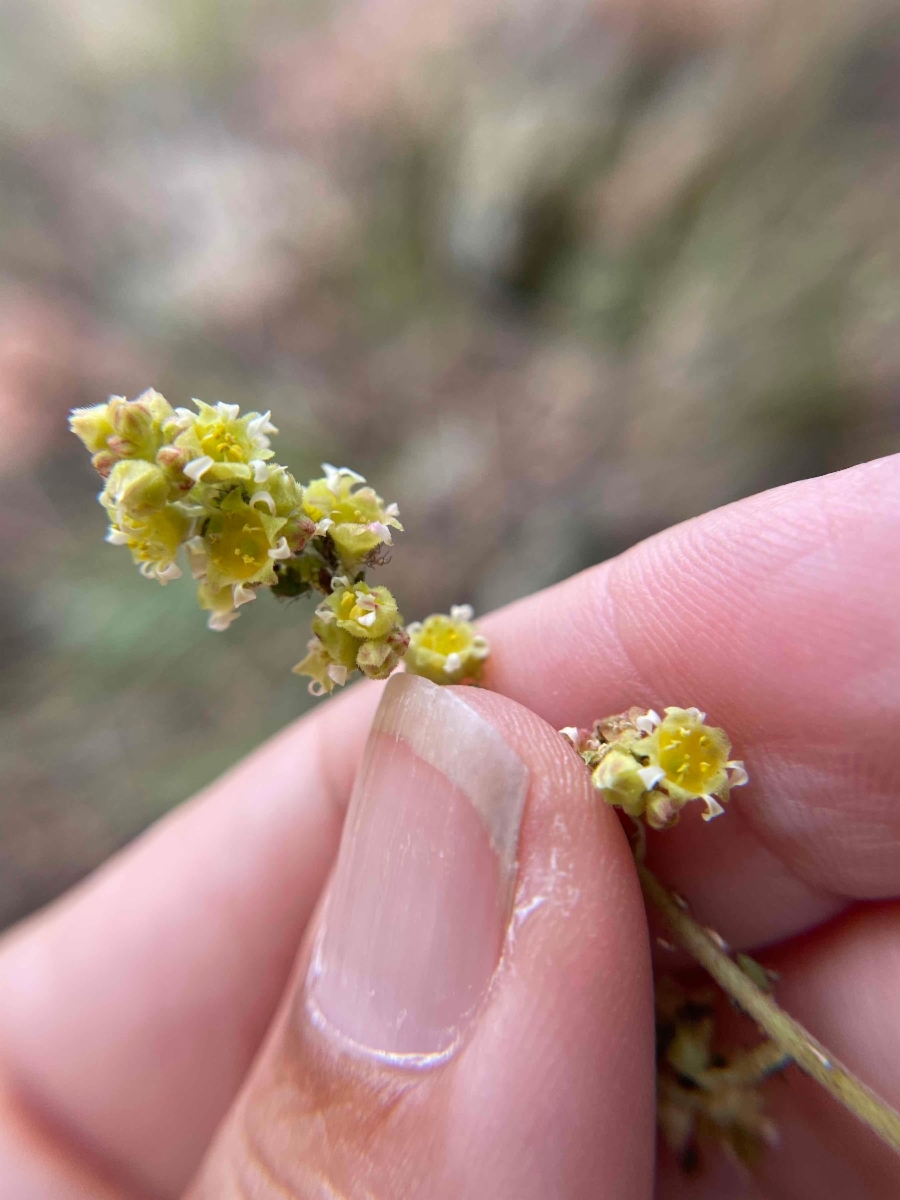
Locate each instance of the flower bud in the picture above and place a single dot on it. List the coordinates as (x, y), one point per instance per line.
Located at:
(93, 426)
(378, 659)
(135, 488)
(619, 780)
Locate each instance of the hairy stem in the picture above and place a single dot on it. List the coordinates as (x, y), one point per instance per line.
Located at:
(789, 1034)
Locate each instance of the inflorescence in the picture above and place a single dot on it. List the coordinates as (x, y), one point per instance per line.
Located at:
(652, 766)
(205, 481)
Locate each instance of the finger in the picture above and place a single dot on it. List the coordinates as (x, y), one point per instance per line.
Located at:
(777, 615)
(462, 1023)
(841, 982)
(162, 972)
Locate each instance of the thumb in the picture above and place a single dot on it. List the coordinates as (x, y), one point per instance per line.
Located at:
(471, 1013)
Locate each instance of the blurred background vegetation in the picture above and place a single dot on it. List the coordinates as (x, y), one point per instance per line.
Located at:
(552, 274)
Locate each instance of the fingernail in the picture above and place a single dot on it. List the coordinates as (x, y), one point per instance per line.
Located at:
(421, 895)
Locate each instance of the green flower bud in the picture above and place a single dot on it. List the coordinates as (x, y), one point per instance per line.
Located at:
(618, 777)
(124, 428)
(135, 488)
(447, 649)
(377, 660)
(93, 426)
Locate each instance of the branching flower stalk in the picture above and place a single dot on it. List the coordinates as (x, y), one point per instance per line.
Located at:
(651, 767)
(201, 486)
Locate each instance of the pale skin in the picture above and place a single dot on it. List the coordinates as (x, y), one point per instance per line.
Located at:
(158, 1002)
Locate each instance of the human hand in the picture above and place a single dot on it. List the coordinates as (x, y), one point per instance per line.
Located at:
(158, 1001)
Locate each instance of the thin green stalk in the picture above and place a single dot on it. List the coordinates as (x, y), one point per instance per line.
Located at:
(789, 1034)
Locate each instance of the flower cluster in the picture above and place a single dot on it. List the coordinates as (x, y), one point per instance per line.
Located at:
(446, 649)
(651, 766)
(205, 482)
(356, 627)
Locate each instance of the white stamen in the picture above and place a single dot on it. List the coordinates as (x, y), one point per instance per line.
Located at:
(172, 571)
(713, 808)
(219, 621)
(738, 773)
(266, 498)
(260, 470)
(198, 467)
(461, 612)
(649, 721)
(453, 663)
(241, 594)
(368, 619)
(382, 530)
(334, 475)
(185, 417)
(281, 550)
(650, 776)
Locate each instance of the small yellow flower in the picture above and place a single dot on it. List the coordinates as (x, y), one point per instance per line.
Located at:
(652, 766)
(224, 447)
(366, 613)
(691, 758)
(153, 540)
(358, 522)
(446, 649)
(331, 657)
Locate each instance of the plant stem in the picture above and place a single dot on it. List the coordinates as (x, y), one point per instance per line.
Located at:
(790, 1035)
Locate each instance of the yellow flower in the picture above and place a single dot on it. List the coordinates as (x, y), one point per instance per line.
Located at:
(223, 446)
(358, 522)
(366, 613)
(235, 553)
(652, 766)
(331, 657)
(153, 540)
(446, 649)
(690, 758)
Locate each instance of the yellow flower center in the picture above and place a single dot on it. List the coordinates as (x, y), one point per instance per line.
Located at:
(689, 758)
(444, 638)
(238, 545)
(350, 609)
(219, 443)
